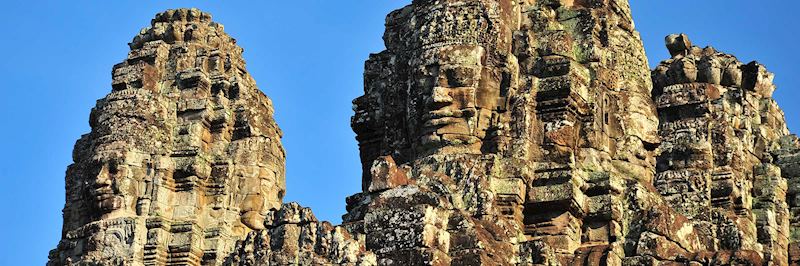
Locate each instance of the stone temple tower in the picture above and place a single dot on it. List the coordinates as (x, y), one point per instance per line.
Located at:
(184, 157)
(523, 119)
(491, 132)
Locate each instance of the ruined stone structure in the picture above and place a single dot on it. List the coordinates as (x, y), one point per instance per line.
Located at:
(184, 158)
(491, 132)
(523, 121)
(721, 137)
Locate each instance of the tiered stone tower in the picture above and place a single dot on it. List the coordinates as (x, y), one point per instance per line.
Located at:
(532, 133)
(491, 132)
(722, 136)
(522, 119)
(184, 157)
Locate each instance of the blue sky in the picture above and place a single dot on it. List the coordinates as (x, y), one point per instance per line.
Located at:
(306, 55)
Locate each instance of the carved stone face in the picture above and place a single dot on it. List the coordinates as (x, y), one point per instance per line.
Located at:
(258, 195)
(452, 119)
(437, 88)
(106, 188)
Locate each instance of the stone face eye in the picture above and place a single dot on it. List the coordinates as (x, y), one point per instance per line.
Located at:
(461, 77)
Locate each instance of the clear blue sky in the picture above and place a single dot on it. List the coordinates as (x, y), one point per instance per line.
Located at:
(306, 55)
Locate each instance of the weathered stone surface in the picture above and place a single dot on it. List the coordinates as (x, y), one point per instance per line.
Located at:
(295, 237)
(491, 132)
(586, 158)
(386, 175)
(519, 120)
(184, 157)
(722, 141)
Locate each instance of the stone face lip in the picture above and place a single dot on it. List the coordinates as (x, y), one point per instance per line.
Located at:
(184, 158)
(491, 132)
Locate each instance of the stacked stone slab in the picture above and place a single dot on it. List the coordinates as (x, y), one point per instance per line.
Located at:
(294, 237)
(184, 157)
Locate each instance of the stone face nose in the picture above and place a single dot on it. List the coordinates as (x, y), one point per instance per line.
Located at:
(102, 179)
(441, 95)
